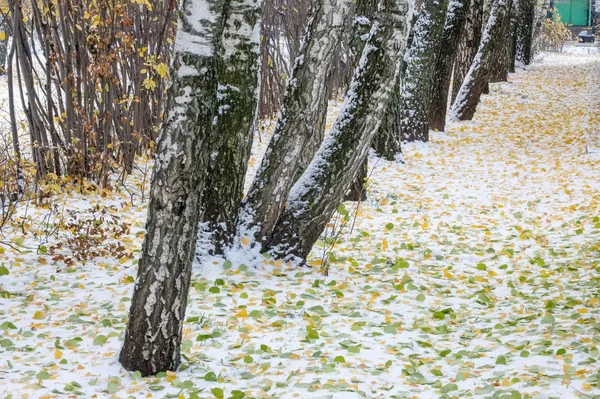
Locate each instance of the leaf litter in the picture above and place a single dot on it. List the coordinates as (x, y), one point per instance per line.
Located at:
(471, 271)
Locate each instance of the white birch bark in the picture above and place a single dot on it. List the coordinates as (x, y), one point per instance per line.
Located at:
(318, 192)
(300, 127)
(153, 335)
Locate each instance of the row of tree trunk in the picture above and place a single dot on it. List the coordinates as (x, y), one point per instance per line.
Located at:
(399, 89)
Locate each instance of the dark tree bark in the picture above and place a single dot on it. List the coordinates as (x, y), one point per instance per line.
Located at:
(512, 36)
(421, 61)
(317, 194)
(387, 142)
(237, 71)
(358, 191)
(500, 63)
(301, 124)
(468, 45)
(153, 335)
(363, 21)
(478, 76)
(526, 16)
(453, 28)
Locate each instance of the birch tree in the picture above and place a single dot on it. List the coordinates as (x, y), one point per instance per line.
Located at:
(512, 36)
(468, 45)
(421, 61)
(364, 15)
(318, 192)
(231, 141)
(453, 29)
(524, 33)
(478, 76)
(153, 334)
(300, 127)
(501, 63)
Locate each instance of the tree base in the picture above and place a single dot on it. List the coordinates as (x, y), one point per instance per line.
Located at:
(132, 359)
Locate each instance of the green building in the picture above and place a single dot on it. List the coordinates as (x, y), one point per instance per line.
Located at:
(575, 12)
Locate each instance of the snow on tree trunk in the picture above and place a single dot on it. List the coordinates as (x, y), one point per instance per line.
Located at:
(300, 127)
(153, 335)
(315, 197)
(453, 28)
(387, 142)
(231, 141)
(478, 76)
(363, 21)
(526, 16)
(468, 45)
(421, 61)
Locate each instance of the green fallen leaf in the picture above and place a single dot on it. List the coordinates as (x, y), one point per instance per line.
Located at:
(449, 388)
(100, 340)
(548, 319)
(42, 375)
(217, 392)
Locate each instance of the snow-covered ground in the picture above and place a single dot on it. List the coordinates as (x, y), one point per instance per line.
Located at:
(471, 271)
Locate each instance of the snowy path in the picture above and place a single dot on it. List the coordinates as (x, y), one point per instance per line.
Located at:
(472, 271)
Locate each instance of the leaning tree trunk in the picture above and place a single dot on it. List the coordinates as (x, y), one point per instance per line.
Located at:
(153, 335)
(526, 16)
(468, 45)
(237, 71)
(453, 28)
(421, 62)
(363, 21)
(300, 127)
(478, 76)
(319, 191)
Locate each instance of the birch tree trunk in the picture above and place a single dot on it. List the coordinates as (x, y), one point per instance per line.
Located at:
(317, 194)
(526, 16)
(478, 76)
(421, 61)
(300, 127)
(512, 36)
(453, 28)
(153, 335)
(468, 45)
(237, 71)
(363, 21)
(540, 16)
(387, 142)
(500, 63)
